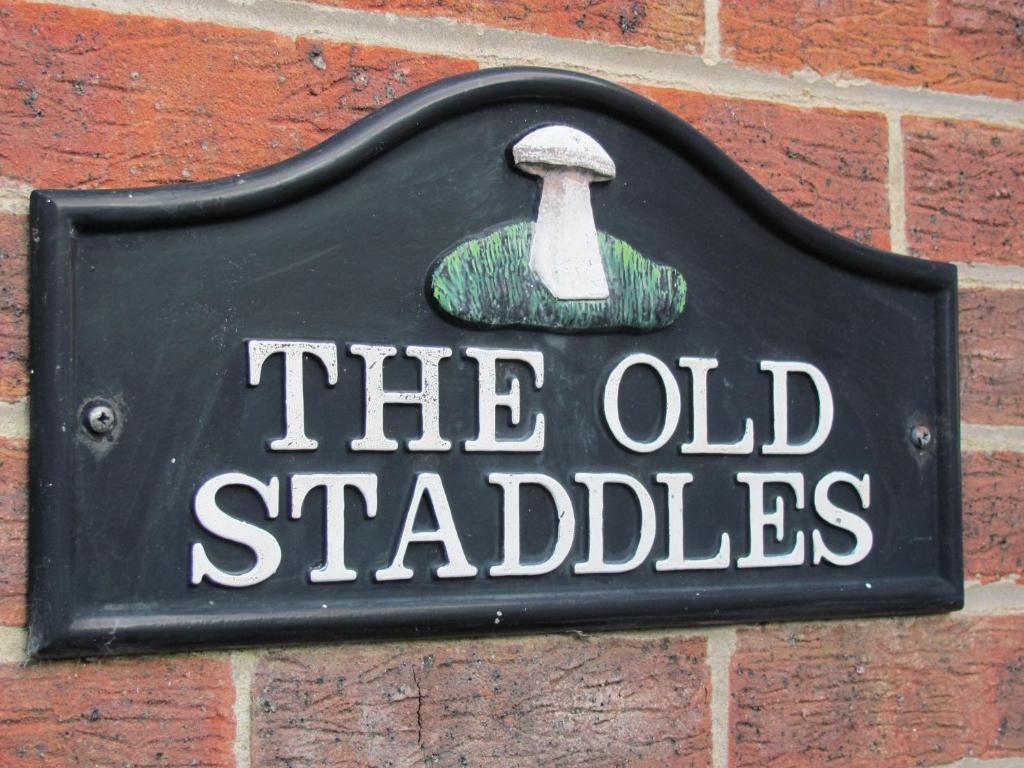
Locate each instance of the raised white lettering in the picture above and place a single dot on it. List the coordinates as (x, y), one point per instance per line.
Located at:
(262, 544)
(673, 406)
(334, 485)
(429, 485)
(780, 444)
(676, 482)
(427, 398)
(853, 524)
(294, 400)
(759, 519)
(595, 562)
(700, 444)
(489, 400)
(511, 564)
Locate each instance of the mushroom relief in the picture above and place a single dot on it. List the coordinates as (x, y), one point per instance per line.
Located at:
(564, 252)
(559, 273)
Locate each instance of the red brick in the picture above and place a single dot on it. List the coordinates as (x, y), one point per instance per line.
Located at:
(993, 516)
(13, 306)
(676, 25)
(963, 46)
(93, 99)
(554, 701)
(830, 166)
(964, 190)
(922, 692)
(165, 713)
(992, 356)
(13, 530)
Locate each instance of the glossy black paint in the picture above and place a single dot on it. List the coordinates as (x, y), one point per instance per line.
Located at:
(145, 298)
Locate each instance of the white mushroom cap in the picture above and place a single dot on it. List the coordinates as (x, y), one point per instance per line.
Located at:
(559, 146)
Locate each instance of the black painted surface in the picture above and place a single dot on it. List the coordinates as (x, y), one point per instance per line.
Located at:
(146, 298)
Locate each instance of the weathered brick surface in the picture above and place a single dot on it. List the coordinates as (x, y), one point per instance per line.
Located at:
(92, 99)
(993, 516)
(964, 190)
(992, 356)
(897, 693)
(518, 702)
(676, 25)
(13, 306)
(964, 46)
(141, 713)
(13, 530)
(830, 166)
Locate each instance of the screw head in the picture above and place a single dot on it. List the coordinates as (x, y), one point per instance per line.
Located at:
(921, 436)
(101, 419)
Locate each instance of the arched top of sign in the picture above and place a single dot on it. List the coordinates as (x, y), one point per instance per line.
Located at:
(340, 156)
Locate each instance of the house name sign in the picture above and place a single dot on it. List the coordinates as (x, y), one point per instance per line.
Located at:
(521, 350)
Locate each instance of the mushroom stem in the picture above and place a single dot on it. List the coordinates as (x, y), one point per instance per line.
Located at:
(564, 253)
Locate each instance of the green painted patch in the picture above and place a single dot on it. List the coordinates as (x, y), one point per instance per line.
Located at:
(489, 281)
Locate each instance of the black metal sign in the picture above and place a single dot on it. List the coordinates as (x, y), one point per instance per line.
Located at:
(521, 350)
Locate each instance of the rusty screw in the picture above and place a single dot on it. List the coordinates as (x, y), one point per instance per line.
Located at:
(101, 419)
(921, 436)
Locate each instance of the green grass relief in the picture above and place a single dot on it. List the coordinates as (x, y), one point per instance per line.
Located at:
(488, 281)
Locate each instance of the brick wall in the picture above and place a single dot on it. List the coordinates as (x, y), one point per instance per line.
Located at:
(897, 124)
